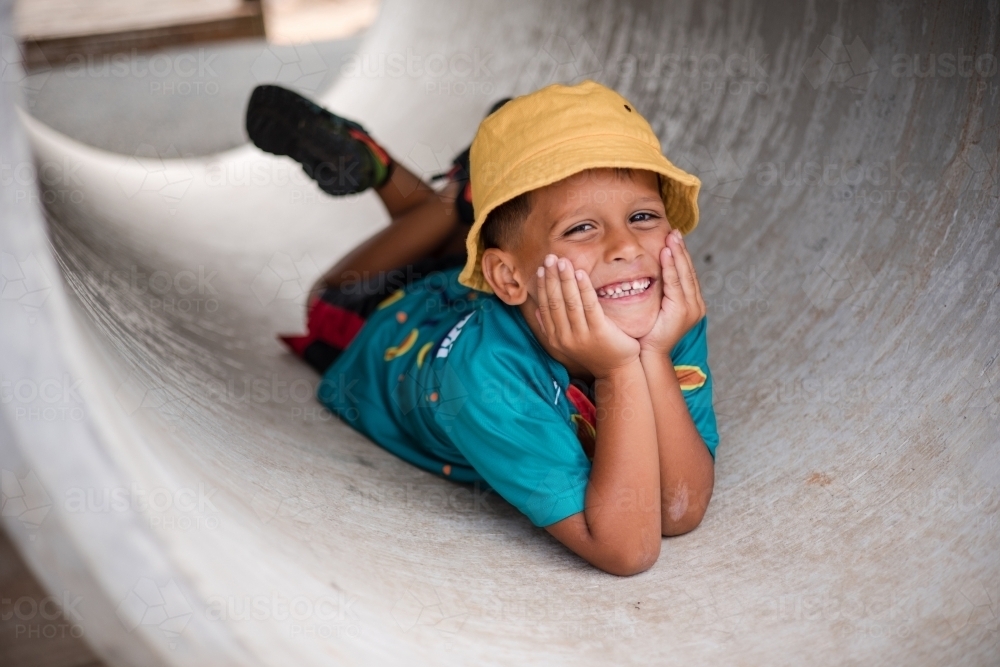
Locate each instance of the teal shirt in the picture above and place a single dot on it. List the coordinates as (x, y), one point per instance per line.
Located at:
(453, 381)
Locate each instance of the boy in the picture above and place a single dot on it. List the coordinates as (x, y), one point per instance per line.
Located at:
(563, 358)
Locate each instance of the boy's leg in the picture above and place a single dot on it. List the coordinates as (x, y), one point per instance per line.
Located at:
(343, 158)
(424, 223)
(426, 232)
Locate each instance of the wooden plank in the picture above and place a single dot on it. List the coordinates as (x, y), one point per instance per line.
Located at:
(246, 20)
(65, 18)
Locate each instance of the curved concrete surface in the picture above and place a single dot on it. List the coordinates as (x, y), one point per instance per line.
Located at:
(167, 465)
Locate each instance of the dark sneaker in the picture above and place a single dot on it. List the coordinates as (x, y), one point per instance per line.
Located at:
(335, 152)
(459, 173)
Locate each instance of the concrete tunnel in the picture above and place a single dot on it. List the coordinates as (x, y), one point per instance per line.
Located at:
(849, 252)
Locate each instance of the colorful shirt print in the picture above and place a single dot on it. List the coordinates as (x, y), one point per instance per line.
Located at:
(453, 381)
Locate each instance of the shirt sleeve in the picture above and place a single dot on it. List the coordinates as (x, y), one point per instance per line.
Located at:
(514, 429)
(690, 359)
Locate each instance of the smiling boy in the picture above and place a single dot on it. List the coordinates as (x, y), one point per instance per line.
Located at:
(562, 359)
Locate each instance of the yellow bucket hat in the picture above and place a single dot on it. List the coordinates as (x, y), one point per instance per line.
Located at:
(541, 138)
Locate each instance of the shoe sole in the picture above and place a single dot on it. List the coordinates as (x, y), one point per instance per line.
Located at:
(282, 122)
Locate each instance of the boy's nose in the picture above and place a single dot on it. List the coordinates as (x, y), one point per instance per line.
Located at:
(622, 245)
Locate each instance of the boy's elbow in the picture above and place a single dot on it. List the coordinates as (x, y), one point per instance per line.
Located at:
(685, 524)
(683, 511)
(636, 553)
(627, 562)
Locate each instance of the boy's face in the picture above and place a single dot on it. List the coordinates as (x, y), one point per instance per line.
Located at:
(613, 227)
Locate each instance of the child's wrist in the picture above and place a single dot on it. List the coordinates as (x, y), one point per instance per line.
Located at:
(656, 361)
(650, 350)
(624, 368)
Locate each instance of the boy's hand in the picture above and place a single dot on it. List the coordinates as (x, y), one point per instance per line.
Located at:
(574, 323)
(682, 306)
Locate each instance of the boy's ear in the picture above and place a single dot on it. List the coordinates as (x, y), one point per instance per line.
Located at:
(502, 275)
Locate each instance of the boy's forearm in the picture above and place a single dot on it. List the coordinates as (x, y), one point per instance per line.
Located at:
(687, 471)
(622, 502)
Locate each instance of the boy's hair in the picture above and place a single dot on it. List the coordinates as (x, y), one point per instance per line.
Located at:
(502, 226)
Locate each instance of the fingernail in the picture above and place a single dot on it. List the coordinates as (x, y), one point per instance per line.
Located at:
(562, 264)
(541, 272)
(579, 274)
(669, 251)
(550, 260)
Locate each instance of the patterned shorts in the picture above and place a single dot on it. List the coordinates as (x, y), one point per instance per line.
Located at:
(336, 315)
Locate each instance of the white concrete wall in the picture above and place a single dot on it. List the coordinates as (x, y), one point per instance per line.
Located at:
(853, 327)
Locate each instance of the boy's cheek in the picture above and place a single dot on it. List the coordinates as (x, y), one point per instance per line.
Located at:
(531, 299)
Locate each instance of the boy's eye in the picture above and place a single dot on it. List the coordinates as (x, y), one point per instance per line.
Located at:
(643, 216)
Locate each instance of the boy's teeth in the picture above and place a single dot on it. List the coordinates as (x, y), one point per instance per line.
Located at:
(626, 288)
